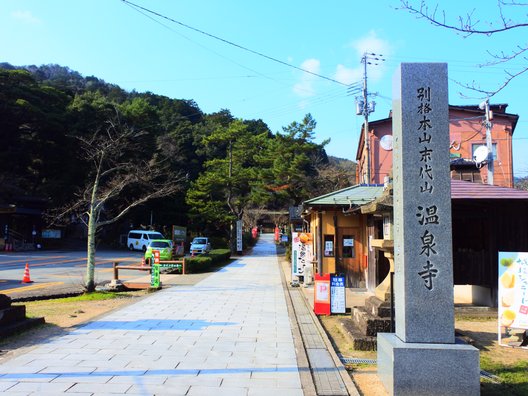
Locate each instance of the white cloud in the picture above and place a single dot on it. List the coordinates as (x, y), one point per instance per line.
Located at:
(348, 75)
(26, 17)
(305, 87)
(371, 43)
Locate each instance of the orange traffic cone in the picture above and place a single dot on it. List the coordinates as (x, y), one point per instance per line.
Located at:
(26, 278)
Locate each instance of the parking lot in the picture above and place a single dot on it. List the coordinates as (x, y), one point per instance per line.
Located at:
(51, 270)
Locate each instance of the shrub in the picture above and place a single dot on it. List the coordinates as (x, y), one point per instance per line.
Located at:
(219, 256)
(197, 264)
(203, 262)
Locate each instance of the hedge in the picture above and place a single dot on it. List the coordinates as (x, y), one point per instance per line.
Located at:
(203, 262)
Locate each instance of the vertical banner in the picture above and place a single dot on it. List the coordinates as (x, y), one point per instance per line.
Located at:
(239, 236)
(155, 271)
(513, 290)
(301, 252)
(337, 294)
(322, 294)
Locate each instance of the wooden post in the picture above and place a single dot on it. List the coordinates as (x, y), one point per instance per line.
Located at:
(116, 271)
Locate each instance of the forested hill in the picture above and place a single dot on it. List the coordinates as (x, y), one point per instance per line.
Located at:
(46, 111)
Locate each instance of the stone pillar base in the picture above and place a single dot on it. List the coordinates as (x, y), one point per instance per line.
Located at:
(427, 369)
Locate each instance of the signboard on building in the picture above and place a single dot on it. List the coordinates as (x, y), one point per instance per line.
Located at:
(387, 227)
(179, 234)
(349, 242)
(51, 234)
(301, 252)
(337, 294)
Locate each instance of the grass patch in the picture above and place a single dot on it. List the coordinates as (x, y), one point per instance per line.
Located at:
(514, 377)
(68, 311)
(95, 296)
(475, 318)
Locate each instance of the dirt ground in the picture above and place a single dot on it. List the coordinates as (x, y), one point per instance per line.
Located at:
(364, 376)
(60, 318)
(480, 332)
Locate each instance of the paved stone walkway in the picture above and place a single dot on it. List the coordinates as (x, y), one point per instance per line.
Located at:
(230, 334)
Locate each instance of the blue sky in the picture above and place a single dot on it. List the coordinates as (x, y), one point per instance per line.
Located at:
(112, 41)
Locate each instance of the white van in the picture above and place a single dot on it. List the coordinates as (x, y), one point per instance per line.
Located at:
(140, 239)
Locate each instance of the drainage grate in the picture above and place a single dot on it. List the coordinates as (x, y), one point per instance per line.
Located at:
(490, 377)
(346, 360)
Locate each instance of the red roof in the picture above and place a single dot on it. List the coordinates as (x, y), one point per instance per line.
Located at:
(466, 190)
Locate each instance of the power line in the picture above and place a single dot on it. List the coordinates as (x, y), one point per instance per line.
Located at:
(200, 45)
(138, 7)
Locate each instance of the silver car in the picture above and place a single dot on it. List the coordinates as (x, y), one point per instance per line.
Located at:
(200, 245)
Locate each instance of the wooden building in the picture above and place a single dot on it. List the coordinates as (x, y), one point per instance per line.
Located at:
(339, 228)
(352, 235)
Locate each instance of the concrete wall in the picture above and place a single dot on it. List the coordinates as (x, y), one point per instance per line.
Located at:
(473, 295)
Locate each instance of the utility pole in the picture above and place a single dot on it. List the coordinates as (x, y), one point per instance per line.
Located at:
(489, 143)
(364, 107)
(366, 114)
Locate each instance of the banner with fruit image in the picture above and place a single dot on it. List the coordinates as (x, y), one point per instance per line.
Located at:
(301, 252)
(513, 290)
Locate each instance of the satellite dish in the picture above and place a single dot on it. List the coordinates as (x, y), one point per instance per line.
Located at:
(386, 142)
(480, 154)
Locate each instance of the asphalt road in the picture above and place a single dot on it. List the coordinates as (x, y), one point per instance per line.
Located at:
(60, 270)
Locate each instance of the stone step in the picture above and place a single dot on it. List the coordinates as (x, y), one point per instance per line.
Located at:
(377, 307)
(12, 314)
(369, 324)
(19, 326)
(359, 341)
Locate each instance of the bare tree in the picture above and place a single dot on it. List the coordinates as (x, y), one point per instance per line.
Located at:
(116, 184)
(505, 19)
(251, 216)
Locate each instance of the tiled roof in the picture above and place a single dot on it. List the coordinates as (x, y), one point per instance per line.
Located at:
(466, 190)
(359, 194)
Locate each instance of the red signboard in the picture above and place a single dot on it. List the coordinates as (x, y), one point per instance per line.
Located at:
(322, 294)
(156, 254)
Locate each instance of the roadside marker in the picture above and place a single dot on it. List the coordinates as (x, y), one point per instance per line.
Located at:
(26, 278)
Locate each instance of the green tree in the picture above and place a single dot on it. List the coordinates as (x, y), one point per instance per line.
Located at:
(291, 161)
(522, 183)
(35, 147)
(225, 188)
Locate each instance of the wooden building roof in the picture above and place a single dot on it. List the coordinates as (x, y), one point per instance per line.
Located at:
(466, 190)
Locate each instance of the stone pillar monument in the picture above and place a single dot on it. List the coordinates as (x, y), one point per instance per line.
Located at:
(422, 358)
